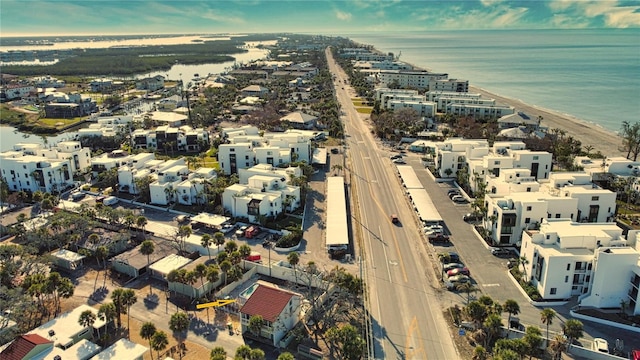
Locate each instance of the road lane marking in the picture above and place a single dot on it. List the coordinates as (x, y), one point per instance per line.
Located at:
(490, 285)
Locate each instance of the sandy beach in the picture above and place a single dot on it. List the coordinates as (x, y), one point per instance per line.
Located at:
(601, 139)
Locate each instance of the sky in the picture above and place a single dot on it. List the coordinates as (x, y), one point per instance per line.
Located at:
(330, 17)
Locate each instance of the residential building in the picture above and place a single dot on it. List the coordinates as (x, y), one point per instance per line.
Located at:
(263, 195)
(479, 111)
(151, 83)
(454, 85)
(421, 107)
(16, 91)
(70, 105)
(48, 82)
(191, 191)
(254, 90)
(592, 261)
(418, 79)
(161, 268)
(518, 202)
(451, 154)
(518, 119)
(133, 263)
(300, 120)
(101, 84)
(122, 349)
(383, 95)
(165, 190)
(279, 309)
(268, 170)
(65, 330)
(201, 287)
(27, 347)
(442, 98)
(110, 160)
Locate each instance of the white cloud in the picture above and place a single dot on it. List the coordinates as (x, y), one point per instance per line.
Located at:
(623, 17)
(490, 2)
(344, 16)
(612, 13)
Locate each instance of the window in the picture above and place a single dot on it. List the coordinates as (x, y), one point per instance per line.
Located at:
(554, 291)
(566, 279)
(527, 220)
(568, 266)
(232, 150)
(536, 157)
(557, 216)
(246, 157)
(528, 189)
(497, 162)
(528, 208)
(595, 198)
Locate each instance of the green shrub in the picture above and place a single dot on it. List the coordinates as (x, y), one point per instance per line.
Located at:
(290, 240)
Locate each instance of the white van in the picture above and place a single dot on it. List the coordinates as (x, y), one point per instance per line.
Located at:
(110, 200)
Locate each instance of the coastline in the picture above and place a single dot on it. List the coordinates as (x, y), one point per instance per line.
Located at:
(603, 140)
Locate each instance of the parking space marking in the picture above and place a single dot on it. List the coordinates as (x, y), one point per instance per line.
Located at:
(490, 285)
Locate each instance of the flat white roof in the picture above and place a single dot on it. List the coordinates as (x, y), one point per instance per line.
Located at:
(211, 219)
(122, 349)
(409, 177)
(171, 262)
(320, 156)
(424, 205)
(67, 255)
(82, 350)
(66, 325)
(337, 231)
(163, 116)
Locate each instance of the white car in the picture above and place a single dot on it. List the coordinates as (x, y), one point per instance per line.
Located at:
(399, 161)
(600, 345)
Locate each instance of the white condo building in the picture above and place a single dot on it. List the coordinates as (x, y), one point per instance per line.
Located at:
(263, 195)
(33, 167)
(515, 201)
(592, 261)
(245, 150)
(418, 79)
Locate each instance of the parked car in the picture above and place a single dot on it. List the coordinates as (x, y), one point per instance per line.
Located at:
(600, 345)
(182, 219)
(451, 192)
(335, 151)
(241, 230)
(458, 279)
(472, 217)
(439, 238)
(451, 266)
(399, 161)
(459, 271)
(395, 156)
(453, 257)
(110, 200)
(459, 199)
(500, 252)
(252, 231)
(511, 263)
(76, 196)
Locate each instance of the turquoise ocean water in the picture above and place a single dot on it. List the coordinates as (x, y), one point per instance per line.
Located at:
(593, 75)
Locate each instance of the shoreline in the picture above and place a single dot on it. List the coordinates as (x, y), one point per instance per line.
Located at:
(603, 140)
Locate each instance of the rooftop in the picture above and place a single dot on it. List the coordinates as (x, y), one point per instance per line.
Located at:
(122, 349)
(268, 302)
(66, 325)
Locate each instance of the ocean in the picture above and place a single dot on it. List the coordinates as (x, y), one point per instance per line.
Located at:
(593, 74)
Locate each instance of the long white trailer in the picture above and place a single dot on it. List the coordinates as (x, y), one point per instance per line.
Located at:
(337, 235)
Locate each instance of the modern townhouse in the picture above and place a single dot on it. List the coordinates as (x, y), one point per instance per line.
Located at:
(244, 151)
(268, 170)
(452, 154)
(418, 79)
(184, 138)
(516, 202)
(262, 196)
(108, 161)
(593, 261)
(191, 191)
(165, 189)
(32, 167)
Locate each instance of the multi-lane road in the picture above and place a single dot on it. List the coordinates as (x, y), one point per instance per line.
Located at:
(407, 320)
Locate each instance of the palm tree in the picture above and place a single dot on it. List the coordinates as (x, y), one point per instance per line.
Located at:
(146, 332)
(255, 324)
(230, 246)
(511, 306)
(218, 239)
(141, 222)
(294, 259)
(218, 353)
(128, 299)
(444, 258)
(480, 353)
(159, 342)
(147, 248)
(201, 271)
(467, 288)
(492, 324)
(244, 250)
(572, 328)
(225, 266)
(87, 319)
(547, 315)
(524, 262)
(107, 312)
(207, 241)
(557, 346)
(179, 323)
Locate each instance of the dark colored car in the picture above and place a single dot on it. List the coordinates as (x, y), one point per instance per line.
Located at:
(453, 257)
(335, 150)
(394, 219)
(472, 217)
(441, 238)
(501, 252)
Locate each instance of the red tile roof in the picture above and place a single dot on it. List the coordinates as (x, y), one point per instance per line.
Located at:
(267, 302)
(22, 345)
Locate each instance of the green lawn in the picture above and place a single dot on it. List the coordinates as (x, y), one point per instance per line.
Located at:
(364, 110)
(51, 122)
